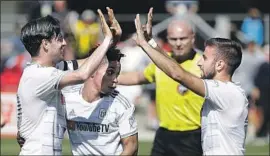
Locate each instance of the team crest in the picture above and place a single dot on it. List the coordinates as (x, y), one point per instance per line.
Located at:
(102, 113)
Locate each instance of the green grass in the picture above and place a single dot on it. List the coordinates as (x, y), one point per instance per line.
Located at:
(10, 147)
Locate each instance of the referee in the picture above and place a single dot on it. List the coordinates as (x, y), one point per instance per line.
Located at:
(178, 108)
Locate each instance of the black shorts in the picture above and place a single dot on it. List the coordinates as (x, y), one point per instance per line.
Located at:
(175, 143)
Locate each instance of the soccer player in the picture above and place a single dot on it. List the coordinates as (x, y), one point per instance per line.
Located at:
(225, 109)
(41, 109)
(178, 108)
(100, 120)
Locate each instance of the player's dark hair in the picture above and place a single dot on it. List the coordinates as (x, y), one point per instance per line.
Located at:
(229, 50)
(114, 54)
(38, 29)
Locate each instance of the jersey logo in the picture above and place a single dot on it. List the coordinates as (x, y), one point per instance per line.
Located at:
(102, 113)
(181, 89)
(72, 113)
(132, 121)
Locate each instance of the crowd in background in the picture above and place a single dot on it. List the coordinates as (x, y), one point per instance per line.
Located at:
(82, 33)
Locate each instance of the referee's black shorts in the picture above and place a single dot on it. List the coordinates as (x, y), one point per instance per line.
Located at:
(177, 143)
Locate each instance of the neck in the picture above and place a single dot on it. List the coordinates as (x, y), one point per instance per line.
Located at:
(90, 94)
(181, 59)
(223, 78)
(43, 61)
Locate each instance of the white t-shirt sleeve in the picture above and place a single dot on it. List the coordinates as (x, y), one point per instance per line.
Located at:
(215, 92)
(49, 79)
(127, 122)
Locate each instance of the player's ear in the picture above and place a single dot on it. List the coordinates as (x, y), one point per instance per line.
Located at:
(45, 44)
(220, 65)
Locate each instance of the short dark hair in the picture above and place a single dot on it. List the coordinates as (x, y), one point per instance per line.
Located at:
(114, 54)
(229, 50)
(38, 29)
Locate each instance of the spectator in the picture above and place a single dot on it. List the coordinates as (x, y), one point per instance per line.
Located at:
(39, 9)
(251, 58)
(86, 31)
(252, 26)
(60, 11)
(180, 7)
(263, 87)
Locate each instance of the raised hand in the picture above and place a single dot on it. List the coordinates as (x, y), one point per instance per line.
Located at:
(140, 38)
(114, 26)
(148, 27)
(104, 26)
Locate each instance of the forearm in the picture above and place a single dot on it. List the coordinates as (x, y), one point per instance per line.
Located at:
(132, 78)
(91, 63)
(164, 62)
(174, 70)
(130, 149)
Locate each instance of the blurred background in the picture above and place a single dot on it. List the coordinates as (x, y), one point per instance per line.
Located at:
(246, 21)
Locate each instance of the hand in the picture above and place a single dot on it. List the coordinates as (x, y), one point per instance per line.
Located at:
(114, 26)
(104, 26)
(140, 39)
(148, 27)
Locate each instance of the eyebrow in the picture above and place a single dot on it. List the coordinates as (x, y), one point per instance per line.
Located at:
(204, 56)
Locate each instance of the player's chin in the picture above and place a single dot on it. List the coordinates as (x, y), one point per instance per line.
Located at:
(61, 57)
(202, 76)
(111, 89)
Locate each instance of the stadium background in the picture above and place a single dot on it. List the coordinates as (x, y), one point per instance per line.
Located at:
(16, 13)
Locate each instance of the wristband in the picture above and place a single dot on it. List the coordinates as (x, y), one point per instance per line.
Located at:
(153, 43)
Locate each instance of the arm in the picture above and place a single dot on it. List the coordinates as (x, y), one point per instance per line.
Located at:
(128, 128)
(168, 65)
(147, 29)
(132, 78)
(130, 145)
(89, 66)
(116, 31)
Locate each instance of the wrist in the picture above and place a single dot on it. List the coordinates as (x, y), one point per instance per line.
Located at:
(153, 43)
(107, 40)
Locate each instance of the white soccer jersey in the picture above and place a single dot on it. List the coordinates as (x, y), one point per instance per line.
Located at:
(224, 119)
(41, 110)
(97, 128)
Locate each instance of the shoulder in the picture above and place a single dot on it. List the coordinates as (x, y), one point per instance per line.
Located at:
(120, 100)
(236, 88)
(35, 70)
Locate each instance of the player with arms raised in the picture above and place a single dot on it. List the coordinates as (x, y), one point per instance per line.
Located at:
(41, 110)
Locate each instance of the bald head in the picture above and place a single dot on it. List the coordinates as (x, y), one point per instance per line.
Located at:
(181, 25)
(181, 37)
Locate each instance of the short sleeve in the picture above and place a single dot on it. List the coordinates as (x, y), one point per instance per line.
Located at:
(215, 93)
(48, 81)
(149, 72)
(128, 123)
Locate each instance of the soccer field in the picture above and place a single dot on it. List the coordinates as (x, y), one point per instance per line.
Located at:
(10, 147)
